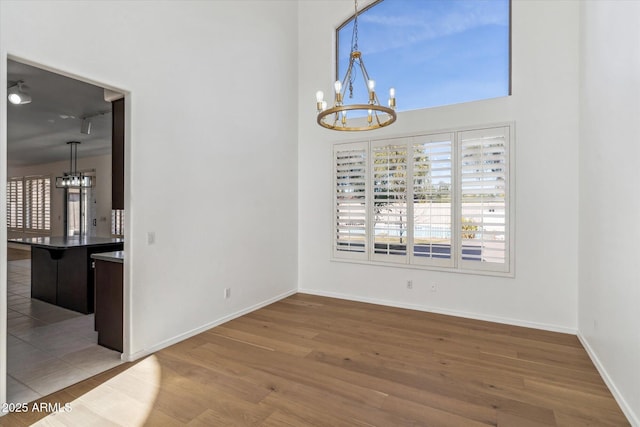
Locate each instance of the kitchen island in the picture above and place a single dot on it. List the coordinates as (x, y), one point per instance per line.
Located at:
(61, 272)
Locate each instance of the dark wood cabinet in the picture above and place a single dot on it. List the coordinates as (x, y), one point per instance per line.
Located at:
(109, 304)
(117, 154)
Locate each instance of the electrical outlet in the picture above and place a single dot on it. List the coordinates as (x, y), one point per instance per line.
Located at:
(227, 293)
(409, 284)
(434, 287)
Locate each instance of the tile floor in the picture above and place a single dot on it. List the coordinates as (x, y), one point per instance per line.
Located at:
(48, 347)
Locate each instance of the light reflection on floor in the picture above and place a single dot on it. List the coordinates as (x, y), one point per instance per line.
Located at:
(126, 399)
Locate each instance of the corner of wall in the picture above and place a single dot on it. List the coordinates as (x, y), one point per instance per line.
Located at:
(617, 395)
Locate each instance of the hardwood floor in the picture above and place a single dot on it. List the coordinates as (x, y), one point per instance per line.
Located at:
(17, 254)
(309, 360)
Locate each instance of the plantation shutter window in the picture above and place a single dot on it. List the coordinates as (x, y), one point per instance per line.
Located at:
(437, 201)
(350, 201)
(37, 203)
(117, 222)
(389, 216)
(432, 197)
(15, 204)
(483, 204)
(29, 203)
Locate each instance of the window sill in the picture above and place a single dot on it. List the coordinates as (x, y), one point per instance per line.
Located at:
(509, 274)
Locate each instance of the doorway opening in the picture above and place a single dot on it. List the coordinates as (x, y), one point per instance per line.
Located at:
(51, 343)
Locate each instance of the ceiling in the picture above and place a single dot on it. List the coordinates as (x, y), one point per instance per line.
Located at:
(38, 132)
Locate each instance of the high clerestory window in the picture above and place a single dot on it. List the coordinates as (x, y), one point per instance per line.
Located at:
(434, 52)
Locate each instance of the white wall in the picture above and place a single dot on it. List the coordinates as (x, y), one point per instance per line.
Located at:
(544, 107)
(609, 290)
(211, 130)
(101, 190)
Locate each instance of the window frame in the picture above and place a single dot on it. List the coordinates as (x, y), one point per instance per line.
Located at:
(456, 264)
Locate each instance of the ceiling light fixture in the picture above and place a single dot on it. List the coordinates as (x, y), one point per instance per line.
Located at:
(17, 95)
(336, 118)
(85, 127)
(73, 178)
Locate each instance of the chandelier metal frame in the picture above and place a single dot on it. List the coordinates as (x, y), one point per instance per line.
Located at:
(73, 178)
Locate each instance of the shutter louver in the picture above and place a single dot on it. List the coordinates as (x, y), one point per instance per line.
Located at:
(432, 196)
(390, 201)
(350, 198)
(484, 189)
(117, 222)
(31, 212)
(37, 210)
(15, 204)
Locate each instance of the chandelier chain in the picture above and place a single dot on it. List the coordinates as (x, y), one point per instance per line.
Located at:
(354, 48)
(354, 36)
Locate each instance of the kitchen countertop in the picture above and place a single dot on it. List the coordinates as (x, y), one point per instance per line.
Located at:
(116, 256)
(62, 242)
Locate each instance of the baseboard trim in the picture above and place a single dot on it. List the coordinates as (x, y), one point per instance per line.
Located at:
(626, 408)
(174, 340)
(429, 309)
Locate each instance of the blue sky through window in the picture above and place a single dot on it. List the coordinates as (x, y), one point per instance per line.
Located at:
(434, 52)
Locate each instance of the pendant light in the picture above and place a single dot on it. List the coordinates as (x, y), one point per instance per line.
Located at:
(73, 178)
(337, 117)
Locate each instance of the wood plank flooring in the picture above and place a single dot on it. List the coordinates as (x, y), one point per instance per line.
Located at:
(309, 360)
(18, 254)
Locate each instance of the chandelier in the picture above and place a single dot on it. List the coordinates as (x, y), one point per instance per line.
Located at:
(336, 117)
(73, 178)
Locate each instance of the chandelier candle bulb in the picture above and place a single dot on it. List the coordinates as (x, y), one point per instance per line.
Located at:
(372, 94)
(319, 102)
(369, 118)
(338, 87)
